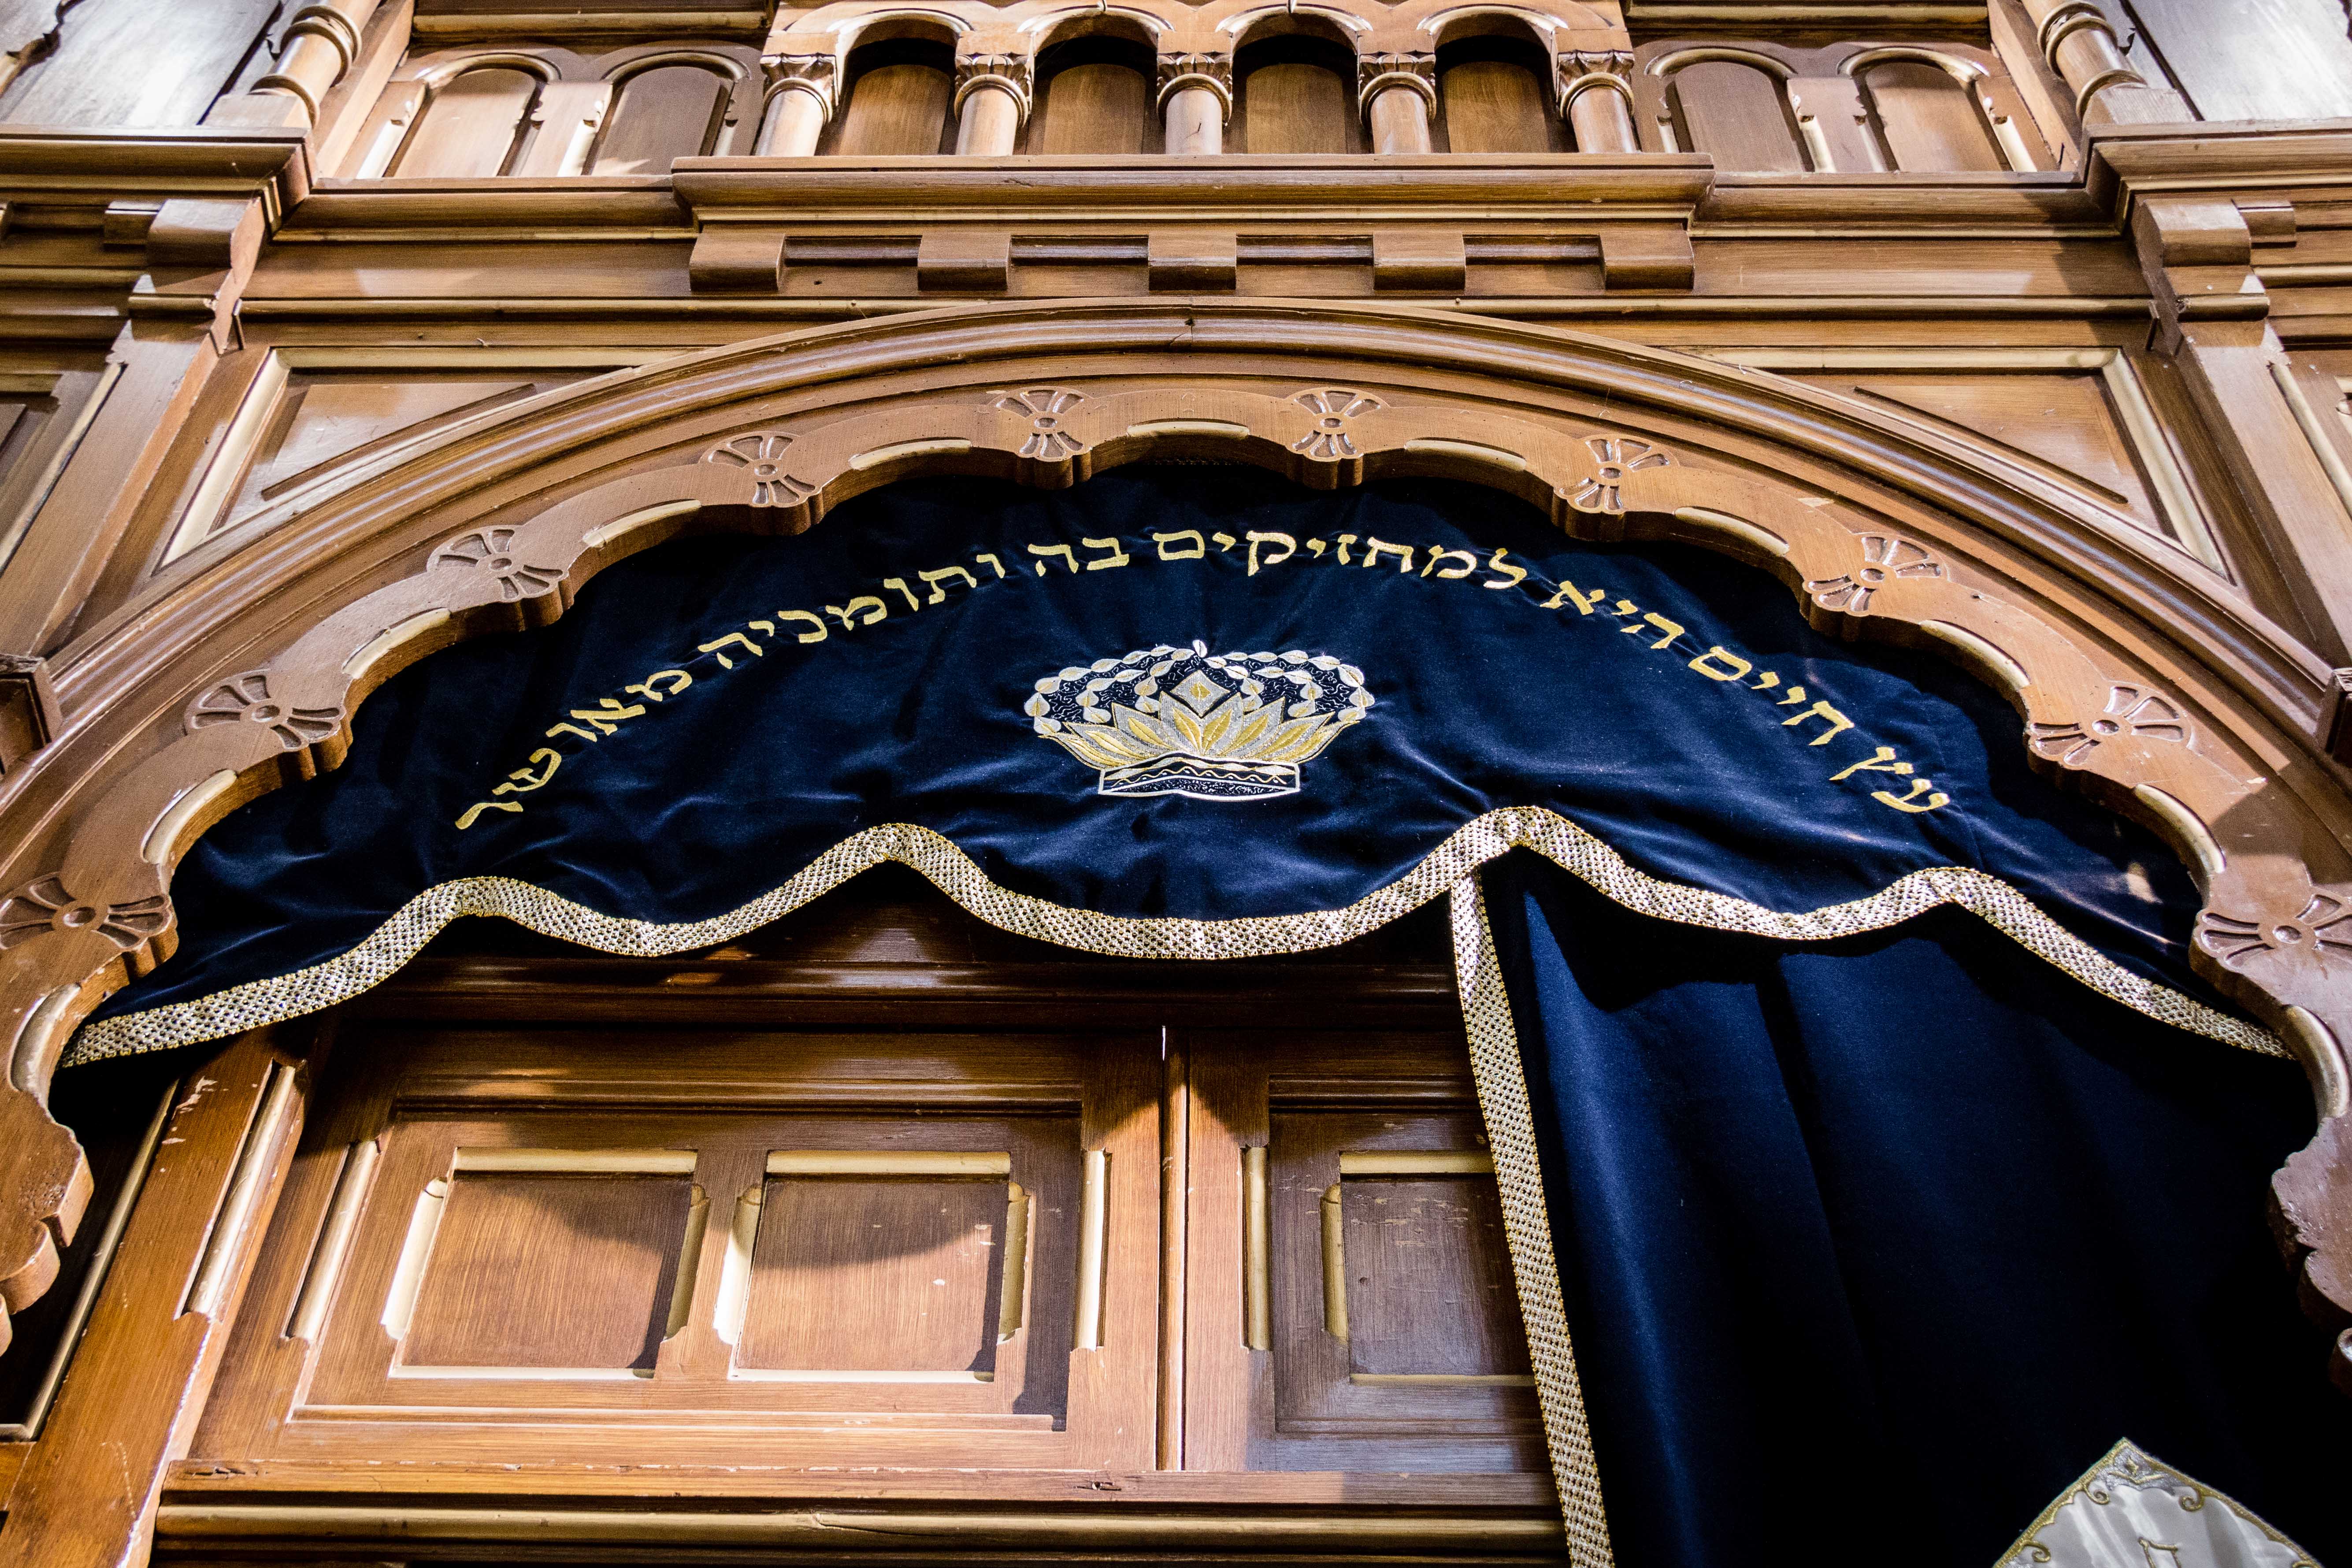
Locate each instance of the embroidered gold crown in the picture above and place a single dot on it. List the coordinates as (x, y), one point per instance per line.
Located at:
(1172, 720)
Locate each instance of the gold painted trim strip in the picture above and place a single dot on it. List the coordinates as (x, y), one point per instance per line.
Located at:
(2007, 910)
(163, 840)
(1257, 1254)
(886, 1162)
(577, 1162)
(239, 1210)
(1012, 1274)
(1416, 1163)
(409, 1273)
(1335, 1264)
(1502, 1083)
(824, 1529)
(1093, 1245)
(335, 1244)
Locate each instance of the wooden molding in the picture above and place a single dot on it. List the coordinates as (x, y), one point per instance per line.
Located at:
(328, 603)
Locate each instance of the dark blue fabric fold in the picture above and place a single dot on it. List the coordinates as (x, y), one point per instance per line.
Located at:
(1871, 1247)
(1491, 687)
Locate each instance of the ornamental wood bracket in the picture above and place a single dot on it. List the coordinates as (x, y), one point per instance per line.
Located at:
(1408, 214)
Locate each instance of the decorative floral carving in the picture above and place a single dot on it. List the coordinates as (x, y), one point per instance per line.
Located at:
(1415, 73)
(45, 905)
(1009, 74)
(2323, 927)
(761, 456)
(1613, 457)
(1333, 408)
(812, 74)
(246, 698)
(2132, 710)
(1884, 557)
(488, 549)
(1045, 408)
(1177, 72)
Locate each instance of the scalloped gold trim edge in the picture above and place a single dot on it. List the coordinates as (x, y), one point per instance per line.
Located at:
(1502, 1080)
(393, 943)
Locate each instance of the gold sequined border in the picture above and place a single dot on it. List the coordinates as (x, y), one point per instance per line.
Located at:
(1502, 1081)
(341, 978)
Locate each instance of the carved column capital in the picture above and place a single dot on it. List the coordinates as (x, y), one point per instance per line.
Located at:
(1210, 73)
(1009, 74)
(1414, 73)
(1581, 70)
(816, 75)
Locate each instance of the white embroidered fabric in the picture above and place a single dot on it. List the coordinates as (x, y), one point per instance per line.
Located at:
(2133, 1510)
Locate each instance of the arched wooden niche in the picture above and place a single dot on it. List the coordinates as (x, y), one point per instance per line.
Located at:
(1494, 89)
(1094, 95)
(1295, 89)
(664, 109)
(322, 605)
(472, 120)
(896, 97)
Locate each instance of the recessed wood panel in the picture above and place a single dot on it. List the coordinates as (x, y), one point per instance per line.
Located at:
(325, 418)
(1929, 120)
(2061, 423)
(1428, 1273)
(1296, 95)
(661, 115)
(896, 1275)
(1739, 114)
(898, 99)
(553, 1269)
(1493, 96)
(1095, 106)
(470, 125)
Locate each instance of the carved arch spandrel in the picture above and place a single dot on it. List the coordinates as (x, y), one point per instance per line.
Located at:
(723, 441)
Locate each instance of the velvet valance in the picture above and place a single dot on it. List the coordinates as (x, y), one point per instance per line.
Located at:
(1180, 711)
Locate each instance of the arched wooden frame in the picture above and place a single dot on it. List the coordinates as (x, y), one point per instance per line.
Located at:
(2178, 709)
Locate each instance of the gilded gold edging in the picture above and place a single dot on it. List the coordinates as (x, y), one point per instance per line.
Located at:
(2123, 1453)
(341, 978)
(1502, 1080)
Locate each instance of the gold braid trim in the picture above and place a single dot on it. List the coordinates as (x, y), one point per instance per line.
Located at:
(1502, 1082)
(341, 978)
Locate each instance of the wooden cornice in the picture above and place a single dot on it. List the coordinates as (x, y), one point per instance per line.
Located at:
(2127, 162)
(474, 210)
(71, 166)
(1866, 203)
(1581, 189)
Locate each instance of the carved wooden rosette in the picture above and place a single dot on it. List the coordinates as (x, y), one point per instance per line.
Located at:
(495, 529)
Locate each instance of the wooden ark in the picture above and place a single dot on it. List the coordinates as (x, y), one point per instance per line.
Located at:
(2019, 331)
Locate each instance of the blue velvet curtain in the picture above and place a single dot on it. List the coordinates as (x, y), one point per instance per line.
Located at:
(1871, 1247)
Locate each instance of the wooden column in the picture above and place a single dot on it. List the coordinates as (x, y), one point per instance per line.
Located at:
(800, 105)
(992, 101)
(1196, 94)
(1398, 99)
(1597, 104)
(2082, 47)
(320, 46)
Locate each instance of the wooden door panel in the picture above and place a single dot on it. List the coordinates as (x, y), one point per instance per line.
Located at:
(1352, 1307)
(780, 1264)
(1427, 1277)
(544, 1269)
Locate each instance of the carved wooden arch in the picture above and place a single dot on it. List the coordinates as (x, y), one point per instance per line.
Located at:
(2142, 679)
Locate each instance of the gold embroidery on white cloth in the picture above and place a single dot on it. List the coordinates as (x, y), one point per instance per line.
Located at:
(2132, 1510)
(1173, 721)
(346, 976)
(1502, 1082)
